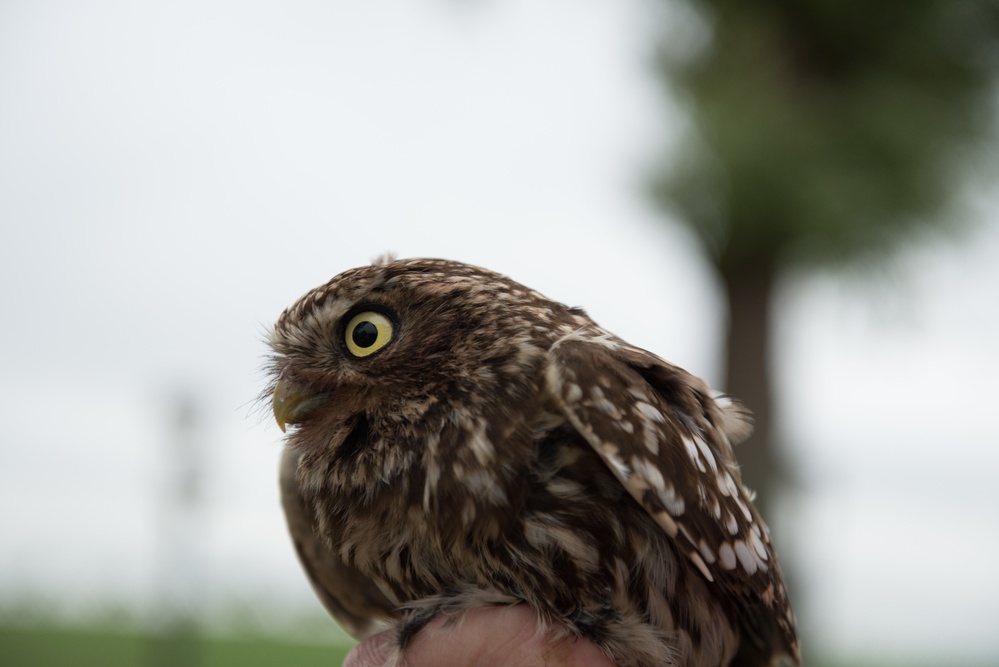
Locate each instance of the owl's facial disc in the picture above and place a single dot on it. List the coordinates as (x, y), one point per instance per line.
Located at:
(302, 393)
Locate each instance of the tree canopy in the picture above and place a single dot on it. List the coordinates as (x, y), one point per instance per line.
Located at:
(829, 128)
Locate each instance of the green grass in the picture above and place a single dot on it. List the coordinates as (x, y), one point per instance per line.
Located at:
(53, 646)
(49, 647)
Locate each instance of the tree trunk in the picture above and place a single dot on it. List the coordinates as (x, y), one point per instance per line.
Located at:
(749, 285)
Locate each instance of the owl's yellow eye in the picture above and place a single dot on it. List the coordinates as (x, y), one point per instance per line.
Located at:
(368, 332)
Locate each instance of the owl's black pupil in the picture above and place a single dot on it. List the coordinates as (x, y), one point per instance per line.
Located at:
(365, 334)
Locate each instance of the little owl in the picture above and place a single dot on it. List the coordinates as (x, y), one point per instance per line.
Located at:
(459, 440)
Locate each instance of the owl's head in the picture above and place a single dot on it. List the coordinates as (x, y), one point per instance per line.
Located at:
(395, 338)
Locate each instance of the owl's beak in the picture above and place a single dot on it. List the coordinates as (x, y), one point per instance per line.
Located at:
(293, 402)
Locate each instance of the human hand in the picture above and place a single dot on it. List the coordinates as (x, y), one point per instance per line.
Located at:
(482, 637)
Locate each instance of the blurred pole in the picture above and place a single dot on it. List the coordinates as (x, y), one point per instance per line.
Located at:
(181, 567)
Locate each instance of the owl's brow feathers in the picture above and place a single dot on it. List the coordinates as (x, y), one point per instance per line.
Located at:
(440, 285)
(504, 448)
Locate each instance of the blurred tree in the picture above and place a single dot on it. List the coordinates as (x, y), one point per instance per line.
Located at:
(827, 131)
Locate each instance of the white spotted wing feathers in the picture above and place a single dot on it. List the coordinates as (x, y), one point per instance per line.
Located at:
(669, 442)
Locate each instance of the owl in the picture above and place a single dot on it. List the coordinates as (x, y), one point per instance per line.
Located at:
(456, 439)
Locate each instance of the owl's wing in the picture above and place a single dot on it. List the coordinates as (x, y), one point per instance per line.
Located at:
(348, 595)
(669, 442)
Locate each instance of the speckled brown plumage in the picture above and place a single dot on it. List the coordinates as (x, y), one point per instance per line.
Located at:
(493, 447)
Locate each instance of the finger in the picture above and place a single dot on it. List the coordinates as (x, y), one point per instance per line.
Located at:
(372, 652)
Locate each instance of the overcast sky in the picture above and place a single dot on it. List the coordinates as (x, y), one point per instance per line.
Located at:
(172, 176)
